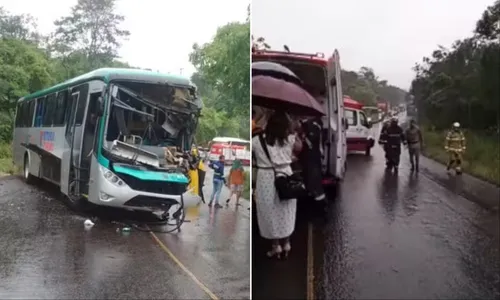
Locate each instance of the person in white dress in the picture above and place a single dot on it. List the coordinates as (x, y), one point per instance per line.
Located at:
(276, 218)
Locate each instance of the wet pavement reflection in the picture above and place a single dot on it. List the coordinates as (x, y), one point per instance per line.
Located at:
(46, 253)
(405, 236)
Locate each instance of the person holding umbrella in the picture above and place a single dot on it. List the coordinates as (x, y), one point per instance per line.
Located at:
(277, 88)
(273, 150)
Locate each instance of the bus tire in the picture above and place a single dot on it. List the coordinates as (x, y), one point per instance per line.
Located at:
(79, 205)
(368, 151)
(28, 178)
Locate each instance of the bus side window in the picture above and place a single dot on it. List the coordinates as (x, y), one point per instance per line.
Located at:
(19, 115)
(82, 103)
(60, 109)
(40, 103)
(67, 111)
(26, 110)
(48, 114)
(31, 113)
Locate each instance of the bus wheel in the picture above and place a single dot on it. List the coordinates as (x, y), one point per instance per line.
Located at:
(28, 178)
(368, 151)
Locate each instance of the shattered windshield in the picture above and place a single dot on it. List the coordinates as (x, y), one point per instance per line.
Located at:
(147, 119)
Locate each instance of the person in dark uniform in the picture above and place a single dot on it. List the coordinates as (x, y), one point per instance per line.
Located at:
(383, 140)
(310, 157)
(395, 137)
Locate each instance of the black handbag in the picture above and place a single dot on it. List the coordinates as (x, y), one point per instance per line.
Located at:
(288, 186)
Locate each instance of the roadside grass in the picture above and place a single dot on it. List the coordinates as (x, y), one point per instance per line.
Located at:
(6, 165)
(246, 186)
(481, 159)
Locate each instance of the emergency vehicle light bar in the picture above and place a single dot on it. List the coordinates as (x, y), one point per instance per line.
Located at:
(317, 54)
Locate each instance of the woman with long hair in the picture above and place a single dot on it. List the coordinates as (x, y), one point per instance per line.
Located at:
(276, 218)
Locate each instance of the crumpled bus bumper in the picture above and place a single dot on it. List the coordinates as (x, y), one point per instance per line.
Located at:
(114, 192)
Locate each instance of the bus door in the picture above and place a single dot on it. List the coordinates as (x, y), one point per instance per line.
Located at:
(74, 178)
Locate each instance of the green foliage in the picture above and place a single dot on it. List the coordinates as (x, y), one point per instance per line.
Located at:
(223, 81)
(89, 38)
(23, 69)
(6, 165)
(461, 83)
(215, 123)
(482, 158)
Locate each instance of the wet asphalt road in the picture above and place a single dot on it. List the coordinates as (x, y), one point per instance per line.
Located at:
(45, 252)
(390, 237)
(406, 237)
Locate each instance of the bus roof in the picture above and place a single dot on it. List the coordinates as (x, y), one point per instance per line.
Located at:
(228, 139)
(317, 58)
(108, 74)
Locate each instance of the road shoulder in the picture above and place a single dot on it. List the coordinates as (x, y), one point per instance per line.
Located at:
(481, 192)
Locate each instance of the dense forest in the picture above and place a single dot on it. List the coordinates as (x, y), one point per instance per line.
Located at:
(462, 83)
(90, 37)
(364, 86)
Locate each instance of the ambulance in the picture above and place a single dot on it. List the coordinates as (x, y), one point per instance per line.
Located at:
(359, 132)
(321, 77)
(231, 148)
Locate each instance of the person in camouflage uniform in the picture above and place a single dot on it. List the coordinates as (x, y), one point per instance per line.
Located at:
(414, 139)
(455, 146)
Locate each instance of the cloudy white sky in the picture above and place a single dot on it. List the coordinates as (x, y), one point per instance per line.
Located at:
(387, 35)
(162, 31)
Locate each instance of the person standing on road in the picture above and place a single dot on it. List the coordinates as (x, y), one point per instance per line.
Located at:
(395, 136)
(455, 146)
(383, 141)
(218, 181)
(310, 158)
(276, 218)
(236, 180)
(415, 142)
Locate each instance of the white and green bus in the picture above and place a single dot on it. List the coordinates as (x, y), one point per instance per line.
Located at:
(104, 137)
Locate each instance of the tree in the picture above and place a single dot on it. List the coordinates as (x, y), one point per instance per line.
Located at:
(23, 69)
(488, 27)
(91, 32)
(21, 27)
(224, 64)
(461, 83)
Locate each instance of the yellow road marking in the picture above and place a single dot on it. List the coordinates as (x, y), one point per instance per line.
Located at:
(310, 263)
(181, 265)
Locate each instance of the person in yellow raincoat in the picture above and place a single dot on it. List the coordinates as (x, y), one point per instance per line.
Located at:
(455, 146)
(196, 173)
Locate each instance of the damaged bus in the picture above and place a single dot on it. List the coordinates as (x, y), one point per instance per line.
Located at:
(112, 137)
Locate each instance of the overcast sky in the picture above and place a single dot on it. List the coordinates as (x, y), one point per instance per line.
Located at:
(162, 31)
(387, 35)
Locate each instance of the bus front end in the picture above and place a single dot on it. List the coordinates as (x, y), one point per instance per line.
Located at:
(142, 159)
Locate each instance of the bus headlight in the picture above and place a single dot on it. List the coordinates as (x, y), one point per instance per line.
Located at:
(111, 177)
